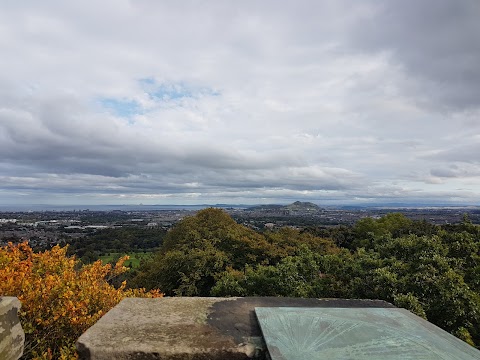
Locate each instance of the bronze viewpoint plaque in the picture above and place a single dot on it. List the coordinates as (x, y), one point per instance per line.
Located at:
(356, 334)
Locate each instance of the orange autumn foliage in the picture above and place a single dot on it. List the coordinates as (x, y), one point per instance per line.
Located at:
(60, 297)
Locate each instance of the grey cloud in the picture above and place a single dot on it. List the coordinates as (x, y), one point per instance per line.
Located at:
(436, 42)
(467, 153)
(443, 173)
(53, 137)
(460, 170)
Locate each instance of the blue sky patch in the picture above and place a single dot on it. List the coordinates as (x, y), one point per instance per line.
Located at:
(158, 92)
(174, 91)
(122, 107)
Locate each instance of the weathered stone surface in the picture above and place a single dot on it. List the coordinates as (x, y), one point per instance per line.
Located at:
(12, 337)
(189, 328)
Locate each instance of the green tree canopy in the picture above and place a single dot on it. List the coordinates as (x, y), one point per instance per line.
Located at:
(199, 249)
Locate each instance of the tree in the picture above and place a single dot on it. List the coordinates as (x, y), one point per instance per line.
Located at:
(60, 298)
(393, 224)
(199, 249)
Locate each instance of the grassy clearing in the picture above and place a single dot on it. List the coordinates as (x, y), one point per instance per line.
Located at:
(133, 262)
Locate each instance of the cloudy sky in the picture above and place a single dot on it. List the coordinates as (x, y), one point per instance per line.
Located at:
(192, 102)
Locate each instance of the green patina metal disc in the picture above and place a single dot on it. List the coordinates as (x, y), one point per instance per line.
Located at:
(356, 334)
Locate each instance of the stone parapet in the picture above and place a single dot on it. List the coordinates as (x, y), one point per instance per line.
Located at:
(189, 328)
(12, 337)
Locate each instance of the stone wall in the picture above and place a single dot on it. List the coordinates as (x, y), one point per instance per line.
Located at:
(12, 337)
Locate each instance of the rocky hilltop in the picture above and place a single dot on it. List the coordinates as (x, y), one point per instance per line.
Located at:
(302, 206)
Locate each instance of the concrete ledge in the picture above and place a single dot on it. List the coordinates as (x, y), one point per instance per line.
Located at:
(12, 337)
(189, 328)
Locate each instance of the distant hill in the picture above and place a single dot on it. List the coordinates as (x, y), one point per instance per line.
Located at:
(302, 206)
(297, 206)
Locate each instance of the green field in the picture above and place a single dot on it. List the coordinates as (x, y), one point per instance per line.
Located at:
(133, 262)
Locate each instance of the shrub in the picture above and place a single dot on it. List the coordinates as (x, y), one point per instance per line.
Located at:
(60, 297)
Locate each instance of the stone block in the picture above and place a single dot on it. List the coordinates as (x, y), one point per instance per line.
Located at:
(12, 337)
(189, 328)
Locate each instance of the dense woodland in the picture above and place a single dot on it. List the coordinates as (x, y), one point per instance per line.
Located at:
(434, 271)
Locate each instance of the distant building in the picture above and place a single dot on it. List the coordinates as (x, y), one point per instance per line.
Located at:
(4, 221)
